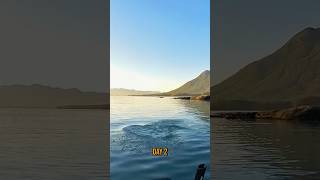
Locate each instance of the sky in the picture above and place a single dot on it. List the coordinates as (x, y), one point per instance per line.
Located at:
(158, 45)
(60, 43)
(247, 30)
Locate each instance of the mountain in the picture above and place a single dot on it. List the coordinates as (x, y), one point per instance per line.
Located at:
(289, 75)
(198, 86)
(129, 92)
(32, 96)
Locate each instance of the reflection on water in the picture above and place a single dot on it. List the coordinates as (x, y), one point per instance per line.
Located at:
(41, 144)
(265, 149)
(140, 123)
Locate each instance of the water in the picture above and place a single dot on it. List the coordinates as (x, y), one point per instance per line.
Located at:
(53, 144)
(265, 149)
(140, 123)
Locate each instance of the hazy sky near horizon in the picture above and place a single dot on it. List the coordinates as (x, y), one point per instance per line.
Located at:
(158, 45)
(247, 30)
(60, 43)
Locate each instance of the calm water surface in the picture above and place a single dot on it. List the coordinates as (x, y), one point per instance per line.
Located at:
(41, 144)
(140, 123)
(273, 150)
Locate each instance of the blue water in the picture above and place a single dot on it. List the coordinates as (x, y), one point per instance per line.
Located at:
(140, 123)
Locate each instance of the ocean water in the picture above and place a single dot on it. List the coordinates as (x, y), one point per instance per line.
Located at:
(138, 124)
(265, 150)
(53, 144)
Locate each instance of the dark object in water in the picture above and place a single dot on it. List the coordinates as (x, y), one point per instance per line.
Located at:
(201, 97)
(183, 98)
(200, 172)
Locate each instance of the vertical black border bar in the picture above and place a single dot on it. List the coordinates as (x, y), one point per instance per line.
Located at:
(107, 16)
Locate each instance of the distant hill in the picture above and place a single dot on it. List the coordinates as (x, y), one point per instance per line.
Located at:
(129, 92)
(289, 76)
(198, 86)
(31, 96)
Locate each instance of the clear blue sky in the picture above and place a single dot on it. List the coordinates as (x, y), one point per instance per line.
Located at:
(158, 44)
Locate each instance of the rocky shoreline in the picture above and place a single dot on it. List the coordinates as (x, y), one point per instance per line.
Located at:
(311, 113)
(200, 97)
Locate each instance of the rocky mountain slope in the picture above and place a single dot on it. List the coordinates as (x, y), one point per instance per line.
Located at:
(198, 86)
(289, 75)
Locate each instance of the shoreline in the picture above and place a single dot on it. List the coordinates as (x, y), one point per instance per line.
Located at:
(305, 113)
(182, 97)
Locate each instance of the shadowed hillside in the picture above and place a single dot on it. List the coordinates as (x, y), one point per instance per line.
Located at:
(289, 76)
(198, 86)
